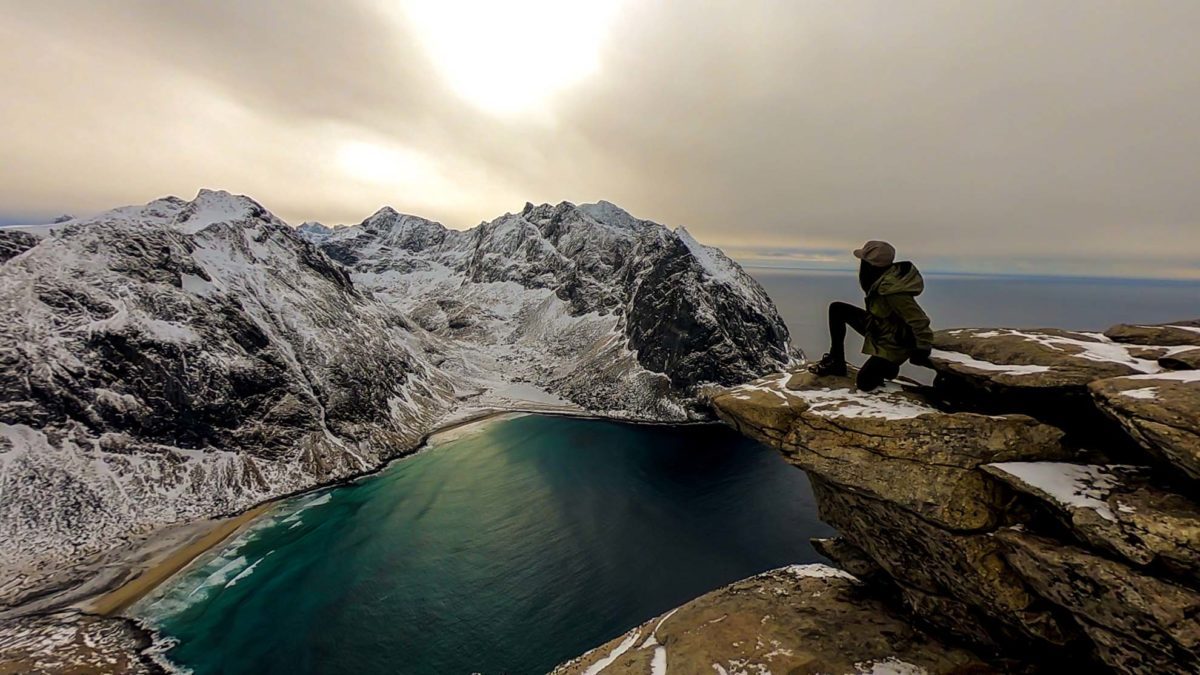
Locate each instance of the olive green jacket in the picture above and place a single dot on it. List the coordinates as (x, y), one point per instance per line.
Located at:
(897, 327)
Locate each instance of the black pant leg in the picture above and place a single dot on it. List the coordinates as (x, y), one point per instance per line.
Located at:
(875, 371)
(841, 315)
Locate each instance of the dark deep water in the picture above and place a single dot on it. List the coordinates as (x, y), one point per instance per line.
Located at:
(507, 550)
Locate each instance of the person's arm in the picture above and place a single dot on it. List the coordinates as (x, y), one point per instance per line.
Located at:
(907, 308)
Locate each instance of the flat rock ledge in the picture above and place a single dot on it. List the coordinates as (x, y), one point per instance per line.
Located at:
(798, 619)
(891, 444)
(1053, 374)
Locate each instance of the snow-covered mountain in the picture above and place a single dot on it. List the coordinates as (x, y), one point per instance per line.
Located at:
(613, 313)
(184, 359)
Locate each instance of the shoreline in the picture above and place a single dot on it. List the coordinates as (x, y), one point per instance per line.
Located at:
(124, 596)
(112, 602)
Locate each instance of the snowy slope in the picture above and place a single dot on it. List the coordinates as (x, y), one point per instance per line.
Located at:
(613, 313)
(184, 359)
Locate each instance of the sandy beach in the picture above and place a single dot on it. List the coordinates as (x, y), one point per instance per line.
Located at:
(114, 602)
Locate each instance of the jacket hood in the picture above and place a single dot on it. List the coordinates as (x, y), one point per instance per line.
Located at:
(902, 277)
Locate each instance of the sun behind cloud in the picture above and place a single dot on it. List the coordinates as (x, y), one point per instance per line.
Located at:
(509, 58)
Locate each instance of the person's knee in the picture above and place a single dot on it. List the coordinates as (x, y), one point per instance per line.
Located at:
(867, 381)
(840, 309)
(875, 372)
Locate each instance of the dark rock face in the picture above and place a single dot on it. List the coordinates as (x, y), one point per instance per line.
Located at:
(14, 243)
(183, 360)
(695, 333)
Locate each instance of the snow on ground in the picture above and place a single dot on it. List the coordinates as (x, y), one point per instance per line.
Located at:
(1171, 375)
(888, 402)
(630, 638)
(979, 364)
(819, 570)
(1072, 486)
(1145, 393)
(1093, 347)
(879, 404)
(889, 666)
(715, 264)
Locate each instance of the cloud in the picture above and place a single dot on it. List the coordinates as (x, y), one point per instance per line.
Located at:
(1009, 130)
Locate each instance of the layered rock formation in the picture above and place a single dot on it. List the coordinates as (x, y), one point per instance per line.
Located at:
(1046, 372)
(1159, 411)
(798, 619)
(997, 529)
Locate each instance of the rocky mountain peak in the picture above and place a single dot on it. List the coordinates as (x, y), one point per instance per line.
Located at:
(612, 215)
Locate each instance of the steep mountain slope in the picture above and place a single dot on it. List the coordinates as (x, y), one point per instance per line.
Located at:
(613, 313)
(183, 359)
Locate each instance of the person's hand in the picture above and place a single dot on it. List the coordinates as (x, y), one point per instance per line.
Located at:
(921, 358)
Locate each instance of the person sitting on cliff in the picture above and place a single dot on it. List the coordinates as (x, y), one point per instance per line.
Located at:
(894, 326)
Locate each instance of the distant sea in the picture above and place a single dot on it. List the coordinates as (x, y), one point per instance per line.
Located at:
(956, 300)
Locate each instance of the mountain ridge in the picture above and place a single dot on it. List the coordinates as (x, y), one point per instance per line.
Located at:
(181, 359)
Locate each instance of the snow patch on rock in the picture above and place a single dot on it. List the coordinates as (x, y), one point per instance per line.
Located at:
(979, 364)
(1080, 486)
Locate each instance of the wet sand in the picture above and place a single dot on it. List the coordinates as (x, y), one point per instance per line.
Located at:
(114, 602)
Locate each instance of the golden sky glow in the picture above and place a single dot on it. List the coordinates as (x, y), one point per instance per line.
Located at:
(1016, 134)
(510, 58)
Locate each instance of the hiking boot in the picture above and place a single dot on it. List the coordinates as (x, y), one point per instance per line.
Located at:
(829, 365)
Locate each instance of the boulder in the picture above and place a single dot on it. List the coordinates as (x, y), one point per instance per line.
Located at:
(1175, 333)
(967, 569)
(1160, 411)
(1043, 372)
(1139, 623)
(1115, 508)
(890, 443)
(1189, 359)
(798, 619)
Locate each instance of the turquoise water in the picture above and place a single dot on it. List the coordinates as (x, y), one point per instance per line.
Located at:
(507, 550)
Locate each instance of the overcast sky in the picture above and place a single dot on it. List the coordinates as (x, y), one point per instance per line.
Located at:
(1043, 136)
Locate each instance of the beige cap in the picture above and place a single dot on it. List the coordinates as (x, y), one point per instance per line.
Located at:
(877, 253)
